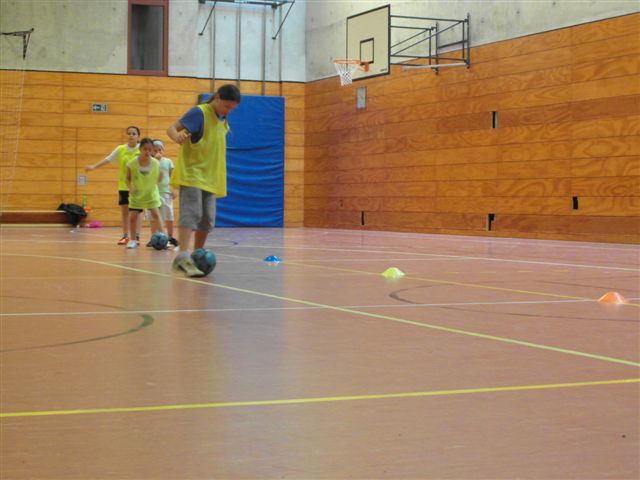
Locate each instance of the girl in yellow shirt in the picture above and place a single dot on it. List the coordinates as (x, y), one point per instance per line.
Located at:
(143, 177)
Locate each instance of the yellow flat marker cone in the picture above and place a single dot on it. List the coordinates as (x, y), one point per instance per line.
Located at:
(613, 297)
(393, 272)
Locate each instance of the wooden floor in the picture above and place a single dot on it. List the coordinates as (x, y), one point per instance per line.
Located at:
(490, 359)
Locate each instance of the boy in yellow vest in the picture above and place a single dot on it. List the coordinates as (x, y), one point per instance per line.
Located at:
(124, 154)
(143, 177)
(201, 170)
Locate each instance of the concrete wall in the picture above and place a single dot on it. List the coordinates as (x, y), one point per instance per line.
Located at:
(491, 20)
(232, 26)
(91, 36)
(70, 35)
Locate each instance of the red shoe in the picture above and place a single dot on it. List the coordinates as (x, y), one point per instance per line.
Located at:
(124, 240)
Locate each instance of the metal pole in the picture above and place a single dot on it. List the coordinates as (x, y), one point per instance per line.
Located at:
(468, 40)
(280, 55)
(213, 54)
(238, 43)
(264, 49)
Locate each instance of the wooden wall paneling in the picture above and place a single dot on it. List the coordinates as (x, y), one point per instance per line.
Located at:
(606, 127)
(606, 68)
(609, 206)
(531, 223)
(605, 225)
(115, 108)
(465, 188)
(606, 186)
(605, 167)
(605, 107)
(618, 46)
(607, 147)
(602, 30)
(28, 119)
(523, 45)
(606, 87)
(33, 160)
(93, 80)
(558, 168)
(532, 152)
(555, 113)
(534, 187)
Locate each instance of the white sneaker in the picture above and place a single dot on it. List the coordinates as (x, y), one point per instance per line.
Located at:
(132, 244)
(184, 263)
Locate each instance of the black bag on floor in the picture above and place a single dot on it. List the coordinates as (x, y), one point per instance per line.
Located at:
(75, 213)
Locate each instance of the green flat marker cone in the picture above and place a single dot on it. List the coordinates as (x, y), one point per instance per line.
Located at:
(393, 272)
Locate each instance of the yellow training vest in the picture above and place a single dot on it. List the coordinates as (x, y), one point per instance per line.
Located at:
(124, 157)
(203, 165)
(146, 194)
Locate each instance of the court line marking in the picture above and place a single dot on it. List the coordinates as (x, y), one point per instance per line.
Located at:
(456, 238)
(259, 309)
(456, 257)
(290, 401)
(351, 311)
(147, 320)
(460, 284)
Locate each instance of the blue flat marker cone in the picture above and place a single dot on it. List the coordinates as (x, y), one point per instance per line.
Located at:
(272, 259)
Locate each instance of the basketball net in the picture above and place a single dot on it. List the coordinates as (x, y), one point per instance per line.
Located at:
(345, 69)
(11, 95)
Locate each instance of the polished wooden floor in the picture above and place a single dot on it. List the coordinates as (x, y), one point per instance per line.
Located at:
(489, 359)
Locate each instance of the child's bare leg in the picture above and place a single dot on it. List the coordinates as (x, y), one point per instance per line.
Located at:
(184, 237)
(124, 219)
(156, 220)
(133, 221)
(201, 238)
(169, 226)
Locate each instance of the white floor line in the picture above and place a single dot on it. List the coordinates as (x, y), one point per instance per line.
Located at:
(452, 257)
(395, 305)
(499, 240)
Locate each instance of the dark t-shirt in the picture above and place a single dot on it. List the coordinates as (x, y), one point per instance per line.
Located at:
(193, 121)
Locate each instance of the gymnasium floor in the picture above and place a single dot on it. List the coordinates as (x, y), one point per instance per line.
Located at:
(490, 359)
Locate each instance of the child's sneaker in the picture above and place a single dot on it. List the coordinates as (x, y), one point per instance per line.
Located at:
(184, 263)
(137, 239)
(149, 244)
(124, 240)
(132, 244)
(173, 241)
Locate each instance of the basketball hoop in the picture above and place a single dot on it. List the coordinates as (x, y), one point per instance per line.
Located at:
(346, 67)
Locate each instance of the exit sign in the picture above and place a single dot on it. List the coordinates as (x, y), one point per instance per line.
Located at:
(99, 107)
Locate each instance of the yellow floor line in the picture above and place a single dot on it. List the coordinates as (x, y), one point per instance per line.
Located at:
(432, 393)
(351, 311)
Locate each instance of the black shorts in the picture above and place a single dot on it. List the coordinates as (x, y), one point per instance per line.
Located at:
(139, 210)
(123, 197)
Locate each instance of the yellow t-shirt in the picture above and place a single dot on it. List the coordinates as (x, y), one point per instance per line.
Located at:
(146, 193)
(125, 155)
(204, 164)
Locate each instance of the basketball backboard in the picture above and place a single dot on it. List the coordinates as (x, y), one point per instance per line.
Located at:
(368, 41)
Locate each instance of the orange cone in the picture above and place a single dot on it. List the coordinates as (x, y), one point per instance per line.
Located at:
(613, 297)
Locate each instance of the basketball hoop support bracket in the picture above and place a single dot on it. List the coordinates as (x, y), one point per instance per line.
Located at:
(428, 49)
(26, 35)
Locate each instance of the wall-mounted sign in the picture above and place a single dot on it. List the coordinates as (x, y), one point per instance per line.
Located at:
(99, 107)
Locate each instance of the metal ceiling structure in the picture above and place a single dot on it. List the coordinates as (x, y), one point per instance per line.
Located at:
(265, 3)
